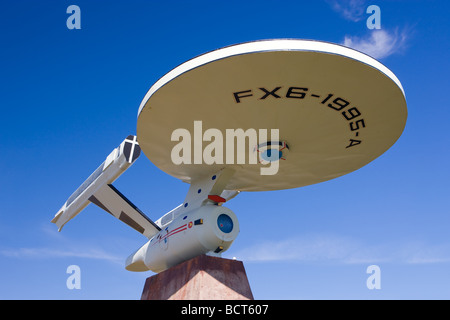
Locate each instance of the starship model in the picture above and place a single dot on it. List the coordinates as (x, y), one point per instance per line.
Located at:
(334, 110)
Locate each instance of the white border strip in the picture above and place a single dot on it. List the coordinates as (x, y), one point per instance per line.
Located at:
(269, 45)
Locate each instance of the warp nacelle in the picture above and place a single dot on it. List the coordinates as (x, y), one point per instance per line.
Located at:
(200, 225)
(210, 228)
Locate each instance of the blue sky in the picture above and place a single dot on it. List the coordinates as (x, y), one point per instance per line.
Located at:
(70, 96)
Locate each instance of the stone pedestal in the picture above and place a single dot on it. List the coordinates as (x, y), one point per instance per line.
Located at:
(201, 278)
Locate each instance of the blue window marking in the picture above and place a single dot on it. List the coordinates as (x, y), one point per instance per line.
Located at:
(271, 155)
(225, 223)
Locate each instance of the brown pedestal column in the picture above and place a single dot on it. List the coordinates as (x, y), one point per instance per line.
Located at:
(201, 278)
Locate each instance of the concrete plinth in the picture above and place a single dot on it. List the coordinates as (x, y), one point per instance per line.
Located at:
(201, 278)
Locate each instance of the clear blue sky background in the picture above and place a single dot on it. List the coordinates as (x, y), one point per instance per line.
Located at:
(68, 97)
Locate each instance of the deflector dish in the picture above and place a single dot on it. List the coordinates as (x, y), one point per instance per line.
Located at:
(337, 109)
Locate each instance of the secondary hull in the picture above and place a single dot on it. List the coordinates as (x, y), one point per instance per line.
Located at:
(210, 228)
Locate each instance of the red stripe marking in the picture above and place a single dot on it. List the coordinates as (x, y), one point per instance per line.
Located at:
(179, 228)
(174, 231)
(171, 233)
